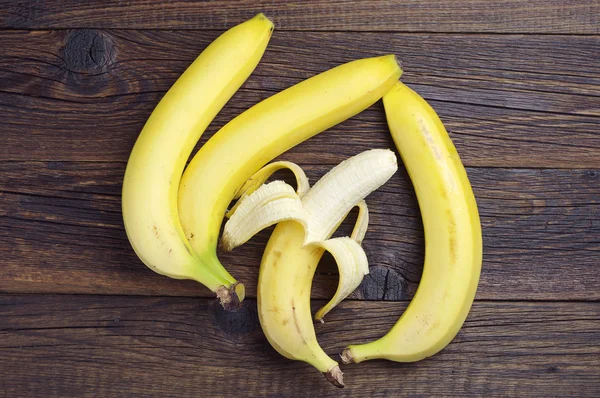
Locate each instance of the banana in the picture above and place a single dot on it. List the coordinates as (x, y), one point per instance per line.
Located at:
(156, 163)
(453, 244)
(295, 248)
(245, 144)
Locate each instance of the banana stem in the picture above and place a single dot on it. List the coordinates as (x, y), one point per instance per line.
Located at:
(231, 297)
(335, 376)
(230, 292)
(346, 357)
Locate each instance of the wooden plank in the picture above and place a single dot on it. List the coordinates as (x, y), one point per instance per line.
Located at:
(505, 16)
(62, 232)
(80, 346)
(508, 101)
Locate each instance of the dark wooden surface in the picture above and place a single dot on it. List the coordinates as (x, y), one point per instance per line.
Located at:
(506, 16)
(64, 234)
(508, 100)
(516, 83)
(107, 346)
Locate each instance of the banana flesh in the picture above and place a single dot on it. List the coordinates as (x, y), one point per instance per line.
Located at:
(261, 176)
(453, 243)
(268, 205)
(297, 244)
(332, 197)
(245, 144)
(156, 163)
(321, 209)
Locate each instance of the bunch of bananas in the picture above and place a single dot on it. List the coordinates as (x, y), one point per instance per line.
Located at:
(173, 216)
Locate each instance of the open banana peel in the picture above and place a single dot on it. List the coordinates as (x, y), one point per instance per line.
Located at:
(319, 212)
(173, 213)
(305, 225)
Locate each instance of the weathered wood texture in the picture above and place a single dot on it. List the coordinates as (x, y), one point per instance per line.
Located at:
(62, 232)
(508, 101)
(509, 16)
(523, 108)
(80, 346)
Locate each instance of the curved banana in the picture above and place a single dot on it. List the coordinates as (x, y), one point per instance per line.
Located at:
(156, 163)
(269, 128)
(293, 253)
(453, 244)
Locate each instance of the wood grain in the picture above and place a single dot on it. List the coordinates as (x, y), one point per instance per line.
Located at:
(508, 101)
(516, 83)
(505, 16)
(62, 232)
(86, 346)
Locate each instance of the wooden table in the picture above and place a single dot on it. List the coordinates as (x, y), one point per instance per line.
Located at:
(518, 86)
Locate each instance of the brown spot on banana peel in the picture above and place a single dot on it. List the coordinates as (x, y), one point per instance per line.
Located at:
(452, 244)
(429, 138)
(275, 310)
(276, 257)
(297, 324)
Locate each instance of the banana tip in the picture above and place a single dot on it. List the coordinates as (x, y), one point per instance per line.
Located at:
(346, 356)
(398, 61)
(335, 376)
(319, 316)
(262, 17)
(225, 243)
(388, 58)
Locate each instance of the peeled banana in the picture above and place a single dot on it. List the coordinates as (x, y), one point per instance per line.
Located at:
(245, 144)
(156, 163)
(453, 244)
(296, 246)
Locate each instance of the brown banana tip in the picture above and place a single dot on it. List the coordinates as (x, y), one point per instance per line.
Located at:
(262, 16)
(398, 61)
(335, 376)
(222, 246)
(225, 243)
(346, 356)
(231, 297)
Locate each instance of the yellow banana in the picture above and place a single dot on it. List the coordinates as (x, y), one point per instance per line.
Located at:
(288, 264)
(269, 128)
(156, 163)
(453, 244)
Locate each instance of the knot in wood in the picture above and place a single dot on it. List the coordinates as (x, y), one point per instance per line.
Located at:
(236, 323)
(592, 174)
(383, 283)
(87, 51)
